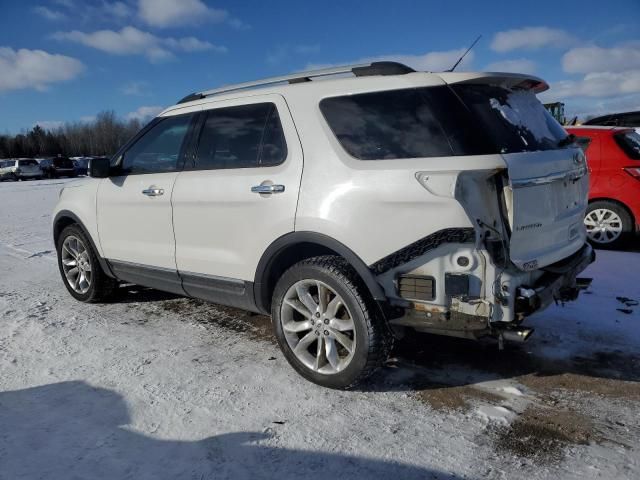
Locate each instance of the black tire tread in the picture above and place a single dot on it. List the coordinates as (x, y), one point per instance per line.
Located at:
(380, 335)
(103, 286)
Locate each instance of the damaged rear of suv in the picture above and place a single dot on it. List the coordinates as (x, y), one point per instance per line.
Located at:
(348, 208)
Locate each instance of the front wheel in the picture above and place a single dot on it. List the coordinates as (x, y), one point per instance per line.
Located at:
(328, 327)
(608, 224)
(80, 269)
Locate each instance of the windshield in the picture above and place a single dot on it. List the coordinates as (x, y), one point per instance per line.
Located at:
(515, 120)
(24, 163)
(630, 143)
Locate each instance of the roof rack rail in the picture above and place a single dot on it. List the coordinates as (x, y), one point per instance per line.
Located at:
(359, 70)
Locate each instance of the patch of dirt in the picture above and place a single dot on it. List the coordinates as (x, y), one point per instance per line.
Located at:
(607, 387)
(257, 327)
(543, 434)
(446, 397)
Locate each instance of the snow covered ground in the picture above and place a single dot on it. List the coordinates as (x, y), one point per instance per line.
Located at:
(155, 386)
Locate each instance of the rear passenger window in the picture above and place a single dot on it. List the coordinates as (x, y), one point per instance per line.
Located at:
(245, 136)
(386, 125)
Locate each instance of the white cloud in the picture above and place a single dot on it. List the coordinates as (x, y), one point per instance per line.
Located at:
(35, 69)
(144, 113)
(192, 44)
(430, 62)
(598, 84)
(131, 41)
(531, 38)
(48, 13)
(597, 59)
(518, 65)
(172, 13)
(49, 124)
(135, 88)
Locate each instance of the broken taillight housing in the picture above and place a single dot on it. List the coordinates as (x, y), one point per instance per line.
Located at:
(633, 171)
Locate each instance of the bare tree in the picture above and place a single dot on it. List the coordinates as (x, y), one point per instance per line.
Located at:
(102, 136)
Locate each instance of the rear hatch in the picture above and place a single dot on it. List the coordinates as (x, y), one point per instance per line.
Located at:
(546, 186)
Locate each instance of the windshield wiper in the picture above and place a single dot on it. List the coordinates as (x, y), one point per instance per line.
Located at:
(568, 140)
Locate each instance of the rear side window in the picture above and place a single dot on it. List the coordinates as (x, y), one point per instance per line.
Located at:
(245, 136)
(386, 125)
(630, 143)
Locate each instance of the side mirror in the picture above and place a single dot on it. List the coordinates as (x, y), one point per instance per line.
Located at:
(99, 167)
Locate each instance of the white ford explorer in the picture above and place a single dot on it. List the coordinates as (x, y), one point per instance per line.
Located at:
(348, 203)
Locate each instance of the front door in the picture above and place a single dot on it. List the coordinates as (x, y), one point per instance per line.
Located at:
(134, 208)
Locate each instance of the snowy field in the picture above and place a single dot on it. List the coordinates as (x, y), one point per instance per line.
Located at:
(153, 386)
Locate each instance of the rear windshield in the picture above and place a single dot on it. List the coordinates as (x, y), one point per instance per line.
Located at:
(630, 143)
(440, 121)
(515, 120)
(63, 162)
(24, 163)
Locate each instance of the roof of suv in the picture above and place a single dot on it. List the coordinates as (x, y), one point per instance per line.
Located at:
(353, 79)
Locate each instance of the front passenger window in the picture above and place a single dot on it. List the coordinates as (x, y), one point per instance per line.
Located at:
(159, 150)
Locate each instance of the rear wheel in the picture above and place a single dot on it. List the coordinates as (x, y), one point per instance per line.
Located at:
(328, 327)
(608, 224)
(80, 269)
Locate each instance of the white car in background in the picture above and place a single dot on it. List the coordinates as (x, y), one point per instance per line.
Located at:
(20, 169)
(347, 208)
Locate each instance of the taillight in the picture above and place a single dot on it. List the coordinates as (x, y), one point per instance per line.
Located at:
(633, 171)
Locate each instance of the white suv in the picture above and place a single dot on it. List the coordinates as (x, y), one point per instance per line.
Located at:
(20, 169)
(348, 208)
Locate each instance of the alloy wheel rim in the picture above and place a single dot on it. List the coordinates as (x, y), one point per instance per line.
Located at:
(76, 264)
(318, 327)
(603, 225)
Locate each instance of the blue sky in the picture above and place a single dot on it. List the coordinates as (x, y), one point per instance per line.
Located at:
(66, 60)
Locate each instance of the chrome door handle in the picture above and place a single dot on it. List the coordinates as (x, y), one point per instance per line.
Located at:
(267, 188)
(153, 192)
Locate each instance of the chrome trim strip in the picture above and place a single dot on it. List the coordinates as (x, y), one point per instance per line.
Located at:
(569, 176)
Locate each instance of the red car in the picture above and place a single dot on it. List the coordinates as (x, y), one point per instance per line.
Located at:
(613, 156)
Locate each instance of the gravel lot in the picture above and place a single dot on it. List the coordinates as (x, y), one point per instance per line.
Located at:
(157, 386)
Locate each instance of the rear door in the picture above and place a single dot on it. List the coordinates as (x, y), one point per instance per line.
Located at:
(134, 207)
(548, 185)
(236, 196)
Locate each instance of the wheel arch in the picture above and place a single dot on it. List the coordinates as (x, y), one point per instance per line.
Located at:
(297, 246)
(62, 220)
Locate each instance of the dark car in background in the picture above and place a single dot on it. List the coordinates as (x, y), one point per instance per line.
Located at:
(57, 167)
(626, 119)
(81, 164)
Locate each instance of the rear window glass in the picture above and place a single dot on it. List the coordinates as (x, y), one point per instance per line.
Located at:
(24, 163)
(515, 120)
(63, 163)
(630, 143)
(441, 121)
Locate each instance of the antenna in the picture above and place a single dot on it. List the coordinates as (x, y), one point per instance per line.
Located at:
(464, 54)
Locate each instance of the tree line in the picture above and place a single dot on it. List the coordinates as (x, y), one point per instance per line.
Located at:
(102, 136)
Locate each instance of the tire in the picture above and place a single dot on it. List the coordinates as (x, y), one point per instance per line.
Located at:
(354, 316)
(98, 286)
(609, 225)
